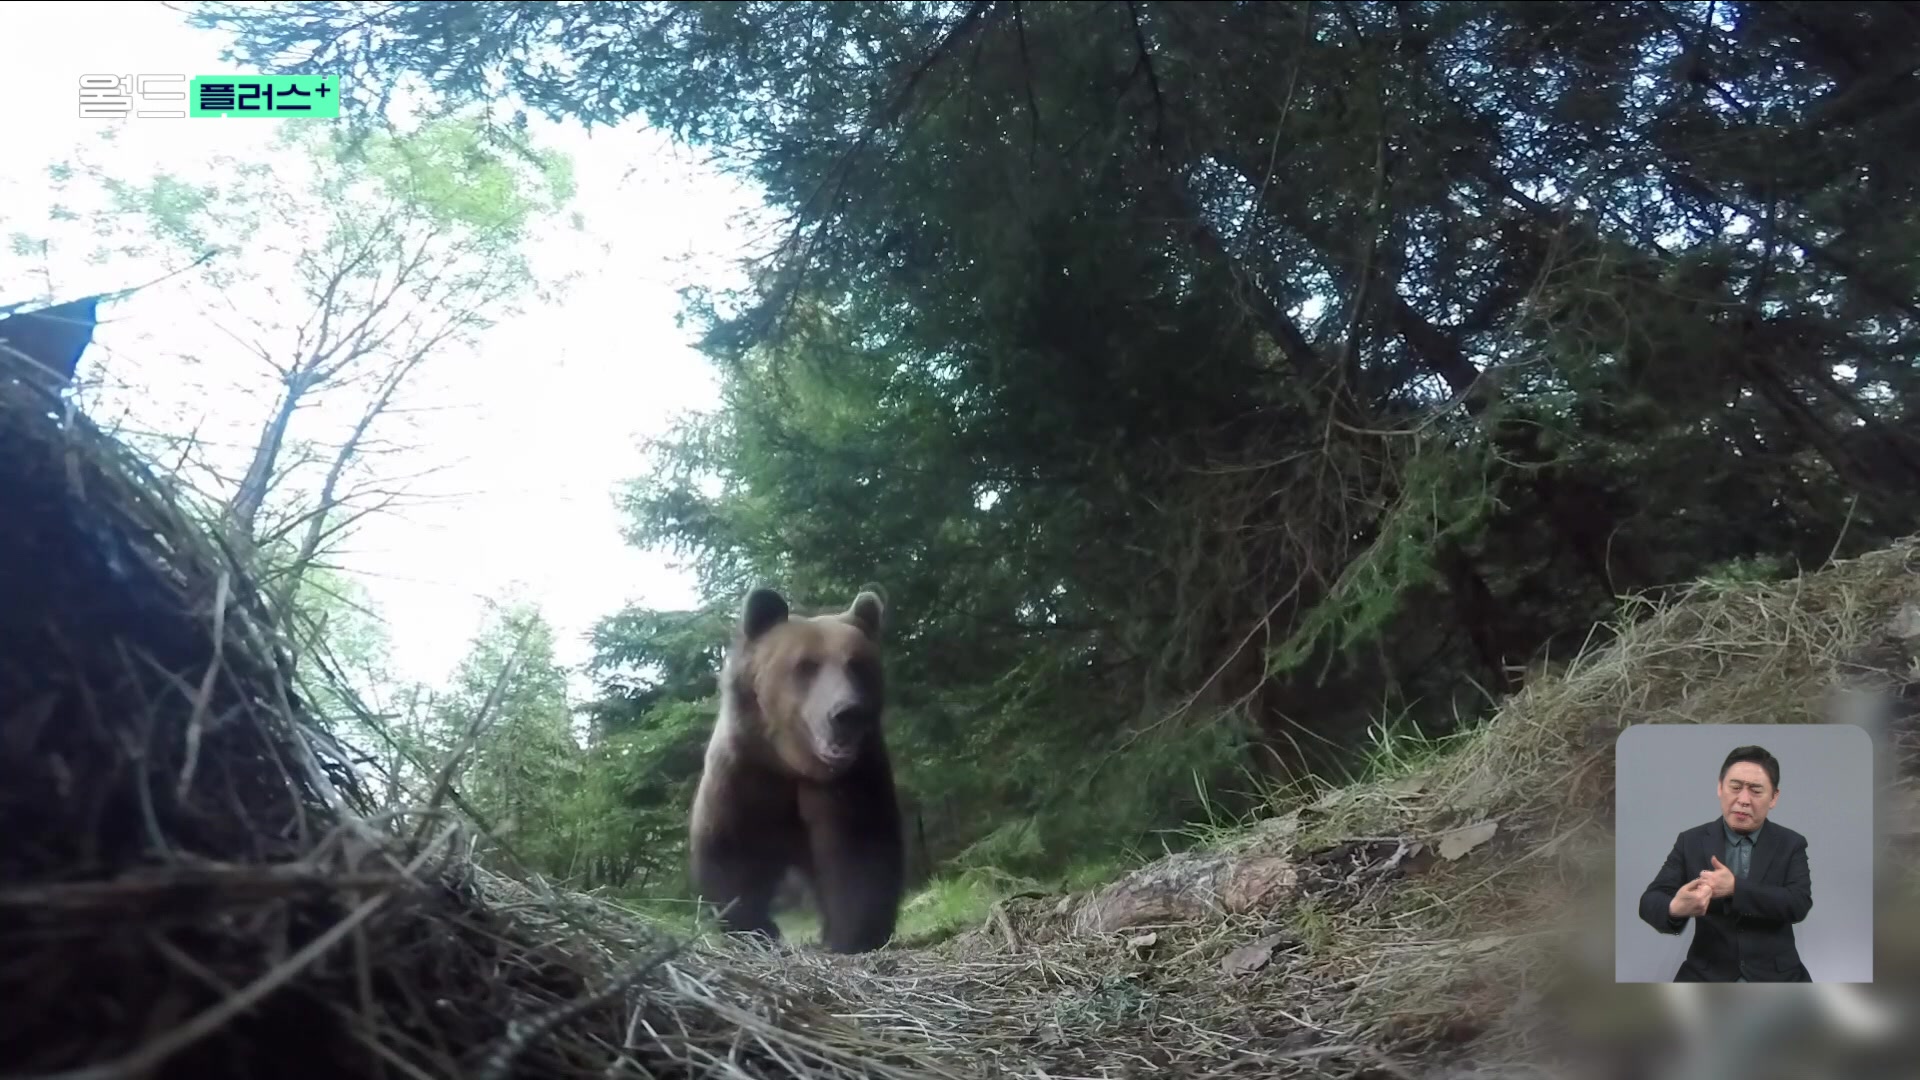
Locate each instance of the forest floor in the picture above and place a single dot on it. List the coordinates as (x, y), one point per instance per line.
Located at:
(1443, 919)
(193, 883)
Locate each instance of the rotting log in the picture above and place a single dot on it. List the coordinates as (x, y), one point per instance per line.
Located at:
(1186, 887)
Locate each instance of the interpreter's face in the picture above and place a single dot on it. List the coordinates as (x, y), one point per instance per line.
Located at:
(1746, 798)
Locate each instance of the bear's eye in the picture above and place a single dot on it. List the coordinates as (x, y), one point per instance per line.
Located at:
(807, 667)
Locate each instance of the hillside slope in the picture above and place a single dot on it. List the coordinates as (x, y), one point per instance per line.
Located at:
(1449, 915)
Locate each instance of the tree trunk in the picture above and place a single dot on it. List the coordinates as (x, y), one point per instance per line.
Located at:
(244, 511)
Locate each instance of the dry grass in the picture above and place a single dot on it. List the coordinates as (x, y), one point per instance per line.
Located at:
(1150, 1002)
(1747, 653)
(1479, 949)
(1408, 970)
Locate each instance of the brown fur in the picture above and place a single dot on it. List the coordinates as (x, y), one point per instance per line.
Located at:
(797, 776)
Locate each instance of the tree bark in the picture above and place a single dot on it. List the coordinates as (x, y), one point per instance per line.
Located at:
(244, 511)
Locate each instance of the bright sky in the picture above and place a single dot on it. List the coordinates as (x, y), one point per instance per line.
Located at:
(535, 430)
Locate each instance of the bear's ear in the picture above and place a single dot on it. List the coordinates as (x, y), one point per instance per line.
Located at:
(764, 610)
(868, 611)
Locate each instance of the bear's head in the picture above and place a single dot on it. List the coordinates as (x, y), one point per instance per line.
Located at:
(814, 684)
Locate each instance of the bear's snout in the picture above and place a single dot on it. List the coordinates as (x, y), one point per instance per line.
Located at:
(851, 722)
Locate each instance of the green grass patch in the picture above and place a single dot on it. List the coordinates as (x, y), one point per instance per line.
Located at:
(957, 902)
(675, 916)
(1086, 874)
(949, 905)
(1396, 747)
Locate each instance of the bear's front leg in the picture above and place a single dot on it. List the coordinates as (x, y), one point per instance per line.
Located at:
(739, 879)
(743, 837)
(859, 861)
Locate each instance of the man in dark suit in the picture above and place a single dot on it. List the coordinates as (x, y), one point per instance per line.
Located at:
(1742, 879)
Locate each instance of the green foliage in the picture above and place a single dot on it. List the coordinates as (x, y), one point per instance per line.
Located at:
(646, 658)
(647, 733)
(948, 905)
(1014, 842)
(343, 649)
(1744, 570)
(1444, 500)
(462, 174)
(522, 768)
(1397, 747)
(644, 778)
(481, 189)
(1203, 381)
(400, 248)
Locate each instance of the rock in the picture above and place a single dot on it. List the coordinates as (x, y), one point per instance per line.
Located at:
(1459, 842)
(1905, 624)
(1248, 959)
(1408, 785)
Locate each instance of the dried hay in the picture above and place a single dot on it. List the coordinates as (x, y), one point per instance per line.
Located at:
(1747, 653)
(1153, 1001)
(1441, 919)
(193, 884)
(1488, 950)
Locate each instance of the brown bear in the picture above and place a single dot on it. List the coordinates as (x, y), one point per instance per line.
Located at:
(797, 776)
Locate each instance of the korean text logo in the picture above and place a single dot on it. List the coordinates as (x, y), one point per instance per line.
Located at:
(176, 97)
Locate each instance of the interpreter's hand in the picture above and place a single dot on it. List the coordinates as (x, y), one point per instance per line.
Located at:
(1691, 899)
(1719, 879)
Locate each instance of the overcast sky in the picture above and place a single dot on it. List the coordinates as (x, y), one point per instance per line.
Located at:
(534, 431)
